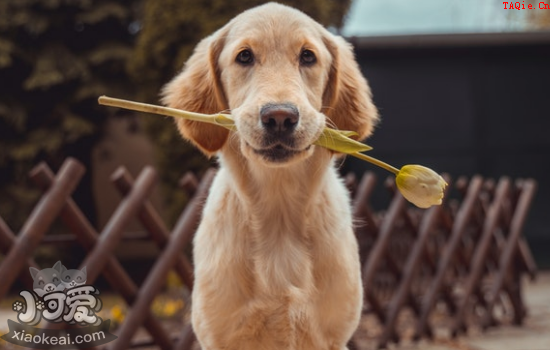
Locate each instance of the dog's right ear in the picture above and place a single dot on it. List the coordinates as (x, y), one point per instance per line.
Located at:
(34, 272)
(198, 89)
(348, 95)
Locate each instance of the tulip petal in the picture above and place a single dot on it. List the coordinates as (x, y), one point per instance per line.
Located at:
(339, 141)
(420, 185)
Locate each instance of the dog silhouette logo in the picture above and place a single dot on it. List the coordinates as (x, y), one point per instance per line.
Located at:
(73, 278)
(59, 295)
(47, 280)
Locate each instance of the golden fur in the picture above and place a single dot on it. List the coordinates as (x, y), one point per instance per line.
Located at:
(276, 260)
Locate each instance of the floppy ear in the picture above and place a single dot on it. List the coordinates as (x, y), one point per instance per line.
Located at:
(198, 89)
(347, 98)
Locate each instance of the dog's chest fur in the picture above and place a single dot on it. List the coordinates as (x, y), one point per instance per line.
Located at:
(280, 269)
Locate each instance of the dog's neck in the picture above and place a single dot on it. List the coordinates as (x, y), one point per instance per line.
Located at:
(279, 204)
(274, 190)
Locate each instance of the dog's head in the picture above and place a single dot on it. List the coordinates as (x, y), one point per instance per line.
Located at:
(283, 77)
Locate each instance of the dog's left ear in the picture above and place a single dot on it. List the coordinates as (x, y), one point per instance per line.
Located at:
(198, 89)
(347, 97)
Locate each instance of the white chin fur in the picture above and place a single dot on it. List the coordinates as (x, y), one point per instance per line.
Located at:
(274, 161)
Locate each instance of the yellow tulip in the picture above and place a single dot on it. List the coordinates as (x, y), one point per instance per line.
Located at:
(419, 185)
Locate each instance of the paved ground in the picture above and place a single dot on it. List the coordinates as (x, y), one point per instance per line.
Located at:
(533, 335)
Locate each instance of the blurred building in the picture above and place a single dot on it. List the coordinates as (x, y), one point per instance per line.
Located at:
(465, 104)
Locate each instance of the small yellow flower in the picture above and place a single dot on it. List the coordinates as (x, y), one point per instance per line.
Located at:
(117, 314)
(165, 307)
(420, 185)
(171, 308)
(173, 280)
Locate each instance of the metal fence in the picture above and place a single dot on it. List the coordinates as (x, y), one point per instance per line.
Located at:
(465, 257)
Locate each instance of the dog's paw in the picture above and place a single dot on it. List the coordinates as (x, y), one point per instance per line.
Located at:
(40, 305)
(17, 306)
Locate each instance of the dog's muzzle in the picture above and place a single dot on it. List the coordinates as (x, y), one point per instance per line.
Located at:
(279, 122)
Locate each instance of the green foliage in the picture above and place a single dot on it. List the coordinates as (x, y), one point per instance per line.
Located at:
(172, 28)
(170, 31)
(56, 57)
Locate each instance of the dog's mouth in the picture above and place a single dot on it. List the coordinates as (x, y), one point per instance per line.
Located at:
(279, 153)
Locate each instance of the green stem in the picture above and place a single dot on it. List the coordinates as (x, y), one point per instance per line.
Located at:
(216, 119)
(375, 161)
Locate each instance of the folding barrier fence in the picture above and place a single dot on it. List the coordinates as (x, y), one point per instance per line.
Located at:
(447, 268)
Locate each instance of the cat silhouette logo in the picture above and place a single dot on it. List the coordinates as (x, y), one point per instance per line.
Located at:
(59, 295)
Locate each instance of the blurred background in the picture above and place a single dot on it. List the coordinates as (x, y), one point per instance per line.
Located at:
(462, 87)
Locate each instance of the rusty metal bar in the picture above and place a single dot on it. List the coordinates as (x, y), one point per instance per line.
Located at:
(527, 258)
(114, 273)
(186, 339)
(512, 287)
(366, 228)
(7, 238)
(181, 236)
(70, 238)
(350, 181)
(378, 252)
(112, 233)
(189, 183)
(414, 260)
(461, 221)
(153, 223)
(41, 218)
(361, 200)
(480, 254)
(7, 241)
(516, 228)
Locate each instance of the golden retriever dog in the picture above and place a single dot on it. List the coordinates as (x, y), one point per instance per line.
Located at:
(276, 259)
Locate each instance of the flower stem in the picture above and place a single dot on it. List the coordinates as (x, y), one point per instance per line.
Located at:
(375, 161)
(172, 112)
(225, 121)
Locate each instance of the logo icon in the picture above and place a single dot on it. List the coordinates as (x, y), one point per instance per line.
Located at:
(59, 295)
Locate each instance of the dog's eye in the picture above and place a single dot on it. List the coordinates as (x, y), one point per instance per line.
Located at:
(245, 57)
(307, 58)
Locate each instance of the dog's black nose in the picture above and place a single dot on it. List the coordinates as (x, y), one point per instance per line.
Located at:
(279, 118)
